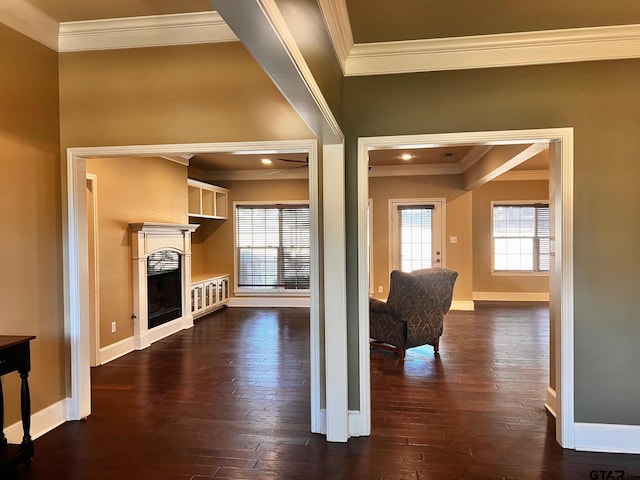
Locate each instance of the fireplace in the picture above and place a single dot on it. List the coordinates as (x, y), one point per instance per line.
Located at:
(164, 287)
(161, 257)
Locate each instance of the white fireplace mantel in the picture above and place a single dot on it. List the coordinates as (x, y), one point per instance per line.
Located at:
(147, 238)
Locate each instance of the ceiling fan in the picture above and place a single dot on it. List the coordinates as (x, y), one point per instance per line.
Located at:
(303, 163)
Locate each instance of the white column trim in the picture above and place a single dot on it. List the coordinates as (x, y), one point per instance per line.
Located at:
(335, 288)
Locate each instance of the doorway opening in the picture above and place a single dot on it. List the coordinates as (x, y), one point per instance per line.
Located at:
(77, 256)
(560, 143)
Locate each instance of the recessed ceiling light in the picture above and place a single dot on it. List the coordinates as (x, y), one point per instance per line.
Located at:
(266, 161)
(406, 156)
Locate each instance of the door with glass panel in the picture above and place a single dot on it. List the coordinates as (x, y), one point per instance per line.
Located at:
(416, 234)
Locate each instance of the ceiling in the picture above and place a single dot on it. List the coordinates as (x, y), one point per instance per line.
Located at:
(78, 10)
(383, 21)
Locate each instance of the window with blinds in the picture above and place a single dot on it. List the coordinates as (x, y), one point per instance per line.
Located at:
(521, 237)
(414, 246)
(272, 247)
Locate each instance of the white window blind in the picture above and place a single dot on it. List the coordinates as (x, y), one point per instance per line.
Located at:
(415, 237)
(273, 247)
(521, 237)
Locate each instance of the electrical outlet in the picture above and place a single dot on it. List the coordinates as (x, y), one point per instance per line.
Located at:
(380, 289)
(113, 327)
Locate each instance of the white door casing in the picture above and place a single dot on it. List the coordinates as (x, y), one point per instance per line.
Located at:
(561, 174)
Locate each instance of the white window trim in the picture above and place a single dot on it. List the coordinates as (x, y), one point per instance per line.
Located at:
(394, 203)
(262, 293)
(512, 273)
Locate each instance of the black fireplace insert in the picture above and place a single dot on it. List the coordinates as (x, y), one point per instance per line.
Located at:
(164, 287)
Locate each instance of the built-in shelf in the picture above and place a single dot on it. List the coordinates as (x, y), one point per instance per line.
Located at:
(207, 201)
(209, 292)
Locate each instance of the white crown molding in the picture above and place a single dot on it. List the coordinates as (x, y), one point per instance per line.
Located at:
(23, 17)
(500, 50)
(336, 19)
(149, 31)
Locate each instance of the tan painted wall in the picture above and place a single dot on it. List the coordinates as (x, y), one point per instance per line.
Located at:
(183, 94)
(31, 238)
(130, 190)
(483, 280)
(458, 223)
(213, 242)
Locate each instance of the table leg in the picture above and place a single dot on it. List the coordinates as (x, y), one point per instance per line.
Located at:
(3, 439)
(25, 408)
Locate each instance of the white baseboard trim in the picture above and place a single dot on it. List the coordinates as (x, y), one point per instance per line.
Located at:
(169, 328)
(355, 420)
(551, 402)
(511, 296)
(598, 437)
(464, 305)
(269, 302)
(42, 422)
(357, 426)
(116, 350)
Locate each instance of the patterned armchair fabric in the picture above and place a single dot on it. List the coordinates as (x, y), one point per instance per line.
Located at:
(414, 311)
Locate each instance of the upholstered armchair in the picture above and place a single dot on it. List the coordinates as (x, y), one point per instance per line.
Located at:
(414, 311)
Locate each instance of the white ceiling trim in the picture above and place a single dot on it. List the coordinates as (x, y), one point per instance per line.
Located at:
(243, 175)
(336, 19)
(500, 50)
(522, 175)
(414, 170)
(23, 17)
(475, 154)
(481, 51)
(149, 31)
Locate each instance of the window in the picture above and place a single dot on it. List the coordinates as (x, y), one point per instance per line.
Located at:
(521, 237)
(416, 236)
(272, 247)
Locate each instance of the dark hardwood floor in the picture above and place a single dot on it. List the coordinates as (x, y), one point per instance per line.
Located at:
(230, 399)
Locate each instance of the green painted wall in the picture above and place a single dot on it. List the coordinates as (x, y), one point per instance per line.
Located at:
(601, 101)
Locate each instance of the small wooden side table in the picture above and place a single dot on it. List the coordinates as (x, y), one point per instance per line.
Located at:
(15, 356)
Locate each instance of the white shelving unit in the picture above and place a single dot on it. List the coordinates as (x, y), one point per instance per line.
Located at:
(207, 201)
(209, 292)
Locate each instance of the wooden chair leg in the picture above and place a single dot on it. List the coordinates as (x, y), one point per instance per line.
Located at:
(436, 347)
(399, 351)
